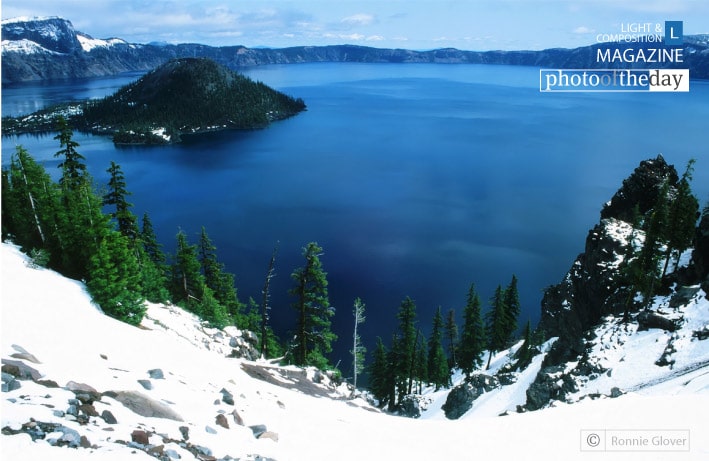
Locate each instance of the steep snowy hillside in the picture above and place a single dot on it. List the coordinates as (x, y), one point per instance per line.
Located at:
(78, 385)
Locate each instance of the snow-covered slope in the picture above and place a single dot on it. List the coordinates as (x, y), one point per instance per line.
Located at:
(176, 371)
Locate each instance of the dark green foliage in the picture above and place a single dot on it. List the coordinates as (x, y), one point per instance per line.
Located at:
(405, 347)
(497, 323)
(187, 283)
(116, 196)
(221, 283)
(379, 382)
(115, 279)
(682, 218)
(73, 168)
(473, 341)
(186, 95)
(150, 242)
(527, 350)
(265, 302)
(313, 336)
(512, 307)
(421, 367)
(452, 337)
(438, 371)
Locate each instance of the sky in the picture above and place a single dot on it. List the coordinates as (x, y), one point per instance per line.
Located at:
(410, 24)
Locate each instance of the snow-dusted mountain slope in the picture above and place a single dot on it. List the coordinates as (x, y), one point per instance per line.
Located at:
(99, 389)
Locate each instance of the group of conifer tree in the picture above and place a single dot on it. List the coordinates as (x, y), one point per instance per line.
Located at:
(62, 225)
(414, 360)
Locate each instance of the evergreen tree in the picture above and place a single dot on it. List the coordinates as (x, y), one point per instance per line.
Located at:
(452, 336)
(422, 362)
(650, 254)
(378, 372)
(150, 243)
(116, 196)
(438, 371)
(513, 309)
(682, 218)
(187, 282)
(472, 343)
(72, 166)
(496, 324)
(313, 338)
(115, 280)
(221, 283)
(405, 347)
(526, 351)
(358, 351)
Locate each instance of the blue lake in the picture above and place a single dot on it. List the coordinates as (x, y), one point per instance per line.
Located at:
(417, 180)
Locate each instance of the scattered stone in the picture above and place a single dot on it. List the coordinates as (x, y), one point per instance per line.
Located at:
(9, 383)
(58, 413)
(210, 430)
(145, 406)
(268, 435)
(48, 383)
(701, 334)
(483, 382)
(258, 429)
(20, 370)
(108, 417)
(185, 431)
(103, 356)
(506, 379)
(140, 437)
(281, 404)
(88, 410)
(616, 392)
(72, 410)
(156, 373)
(237, 418)
(23, 354)
(83, 392)
(222, 421)
(227, 397)
(147, 385)
(172, 454)
(683, 296)
(156, 451)
(84, 442)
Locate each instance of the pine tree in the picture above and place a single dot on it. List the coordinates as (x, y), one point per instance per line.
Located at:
(116, 196)
(313, 337)
(496, 324)
(150, 243)
(526, 351)
(152, 264)
(73, 168)
(650, 254)
(187, 282)
(378, 372)
(358, 351)
(438, 371)
(513, 309)
(221, 283)
(405, 347)
(472, 343)
(115, 279)
(422, 361)
(452, 336)
(682, 218)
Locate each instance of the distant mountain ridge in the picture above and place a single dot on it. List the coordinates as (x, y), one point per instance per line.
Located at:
(50, 48)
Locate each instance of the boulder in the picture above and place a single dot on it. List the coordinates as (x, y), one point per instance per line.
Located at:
(108, 417)
(146, 383)
(185, 431)
(145, 406)
(258, 429)
(648, 320)
(221, 420)
(83, 392)
(227, 397)
(483, 382)
(20, 370)
(9, 383)
(140, 437)
(460, 400)
(409, 406)
(156, 373)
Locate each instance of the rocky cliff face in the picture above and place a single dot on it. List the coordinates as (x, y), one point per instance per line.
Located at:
(595, 286)
(50, 48)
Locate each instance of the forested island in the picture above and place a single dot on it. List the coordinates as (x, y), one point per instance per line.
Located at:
(183, 96)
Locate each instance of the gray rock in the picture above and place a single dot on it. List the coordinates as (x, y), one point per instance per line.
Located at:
(140, 437)
(185, 431)
(683, 296)
(172, 454)
(108, 417)
(460, 400)
(210, 430)
(156, 373)
(258, 429)
(145, 406)
(409, 407)
(9, 383)
(616, 392)
(648, 320)
(483, 382)
(146, 383)
(227, 397)
(222, 421)
(20, 370)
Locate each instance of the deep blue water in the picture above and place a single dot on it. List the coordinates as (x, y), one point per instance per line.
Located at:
(415, 179)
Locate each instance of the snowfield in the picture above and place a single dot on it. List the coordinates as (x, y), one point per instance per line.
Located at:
(179, 371)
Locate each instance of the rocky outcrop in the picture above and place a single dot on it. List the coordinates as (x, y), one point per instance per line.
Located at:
(461, 398)
(594, 286)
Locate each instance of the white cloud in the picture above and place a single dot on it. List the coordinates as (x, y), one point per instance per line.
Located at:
(360, 19)
(375, 38)
(583, 30)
